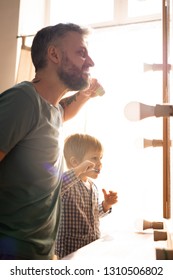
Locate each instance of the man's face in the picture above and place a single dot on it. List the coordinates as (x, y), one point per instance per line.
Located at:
(75, 62)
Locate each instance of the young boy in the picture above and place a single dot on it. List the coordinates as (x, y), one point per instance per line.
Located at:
(81, 209)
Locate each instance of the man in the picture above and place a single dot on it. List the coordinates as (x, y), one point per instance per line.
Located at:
(31, 140)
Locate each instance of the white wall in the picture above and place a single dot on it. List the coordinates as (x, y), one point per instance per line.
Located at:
(17, 17)
(9, 15)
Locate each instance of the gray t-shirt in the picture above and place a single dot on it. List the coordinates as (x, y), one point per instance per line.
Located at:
(31, 172)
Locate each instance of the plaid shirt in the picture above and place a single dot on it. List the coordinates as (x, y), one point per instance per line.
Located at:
(81, 211)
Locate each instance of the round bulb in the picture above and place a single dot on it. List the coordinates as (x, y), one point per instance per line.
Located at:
(132, 111)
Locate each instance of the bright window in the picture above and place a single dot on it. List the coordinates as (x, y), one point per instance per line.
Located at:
(135, 172)
(121, 55)
(83, 12)
(138, 8)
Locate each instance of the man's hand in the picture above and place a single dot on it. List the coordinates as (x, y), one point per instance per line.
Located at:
(93, 90)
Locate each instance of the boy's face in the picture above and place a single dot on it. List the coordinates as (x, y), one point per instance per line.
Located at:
(95, 157)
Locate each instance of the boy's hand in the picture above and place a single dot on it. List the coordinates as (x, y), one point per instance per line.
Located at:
(109, 199)
(83, 167)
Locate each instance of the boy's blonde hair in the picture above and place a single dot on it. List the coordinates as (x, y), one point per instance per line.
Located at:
(77, 145)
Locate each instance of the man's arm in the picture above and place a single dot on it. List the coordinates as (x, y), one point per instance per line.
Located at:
(72, 104)
(2, 155)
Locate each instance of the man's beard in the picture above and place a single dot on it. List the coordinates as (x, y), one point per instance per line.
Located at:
(71, 75)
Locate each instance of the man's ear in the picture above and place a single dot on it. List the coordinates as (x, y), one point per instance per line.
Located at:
(54, 54)
(74, 161)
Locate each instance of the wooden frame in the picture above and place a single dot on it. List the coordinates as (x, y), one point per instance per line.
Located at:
(166, 120)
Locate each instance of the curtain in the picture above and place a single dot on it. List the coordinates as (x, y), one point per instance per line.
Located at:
(26, 70)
